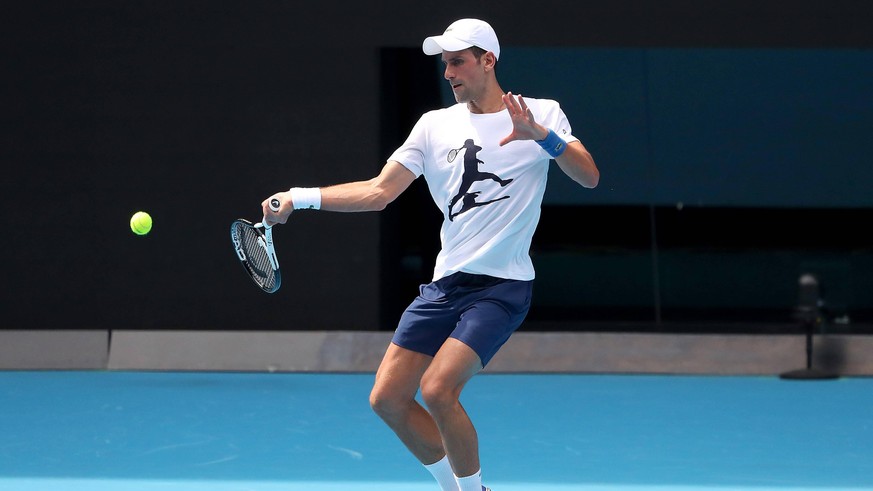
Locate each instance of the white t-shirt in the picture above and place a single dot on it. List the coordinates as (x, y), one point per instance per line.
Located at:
(490, 196)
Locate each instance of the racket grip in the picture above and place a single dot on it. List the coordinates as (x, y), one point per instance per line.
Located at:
(274, 205)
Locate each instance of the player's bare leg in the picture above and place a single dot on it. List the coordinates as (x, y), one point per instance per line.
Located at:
(393, 399)
(441, 385)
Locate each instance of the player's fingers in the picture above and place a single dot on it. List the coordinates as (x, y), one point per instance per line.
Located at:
(278, 203)
(270, 217)
(275, 219)
(510, 102)
(530, 115)
(527, 112)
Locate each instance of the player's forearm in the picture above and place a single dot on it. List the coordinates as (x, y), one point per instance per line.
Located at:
(348, 197)
(370, 195)
(577, 163)
(354, 197)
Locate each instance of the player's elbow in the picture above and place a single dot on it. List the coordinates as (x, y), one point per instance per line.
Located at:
(585, 173)
(387, 186)
(379, 198)
(379, 203)
(591, 179)
(382, 194)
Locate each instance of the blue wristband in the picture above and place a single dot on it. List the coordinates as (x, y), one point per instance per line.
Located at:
(553, 144)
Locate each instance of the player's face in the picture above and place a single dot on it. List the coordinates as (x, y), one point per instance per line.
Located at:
(465, 73)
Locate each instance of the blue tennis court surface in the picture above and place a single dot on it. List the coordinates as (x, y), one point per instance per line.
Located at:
(121, 431)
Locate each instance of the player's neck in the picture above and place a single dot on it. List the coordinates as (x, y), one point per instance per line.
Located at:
(490, 102)
(486, 107)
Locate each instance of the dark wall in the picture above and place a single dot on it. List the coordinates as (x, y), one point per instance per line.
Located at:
(196, 111)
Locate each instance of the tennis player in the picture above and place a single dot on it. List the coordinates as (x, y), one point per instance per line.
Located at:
(481, 289)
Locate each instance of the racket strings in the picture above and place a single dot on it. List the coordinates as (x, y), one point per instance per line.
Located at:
(256, 257)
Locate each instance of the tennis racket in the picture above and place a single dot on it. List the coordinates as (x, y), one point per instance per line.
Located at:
(253, 243)
(452, 154)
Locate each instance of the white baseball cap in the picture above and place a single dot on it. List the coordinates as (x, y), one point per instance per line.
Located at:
(463, 34)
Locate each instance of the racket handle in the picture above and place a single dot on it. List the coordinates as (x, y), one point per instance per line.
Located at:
(274, 205)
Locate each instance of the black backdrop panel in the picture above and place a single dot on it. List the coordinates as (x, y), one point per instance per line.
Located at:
(195, 111)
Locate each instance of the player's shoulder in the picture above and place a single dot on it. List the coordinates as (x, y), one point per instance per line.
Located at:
(544, 110)
(541, 103)
(443, 113)
(453, 110)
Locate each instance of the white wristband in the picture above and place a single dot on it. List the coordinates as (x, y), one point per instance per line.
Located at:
(306, 198)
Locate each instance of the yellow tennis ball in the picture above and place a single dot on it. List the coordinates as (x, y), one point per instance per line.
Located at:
(141, 223)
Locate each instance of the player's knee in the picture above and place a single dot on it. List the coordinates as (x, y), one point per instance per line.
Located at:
(384, 403)
(378, 402)
(438, 395)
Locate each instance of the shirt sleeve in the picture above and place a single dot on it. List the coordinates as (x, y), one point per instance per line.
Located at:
(411, 153)
(556, 120)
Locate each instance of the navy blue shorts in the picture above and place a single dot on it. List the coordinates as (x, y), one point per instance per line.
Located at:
(480, 311)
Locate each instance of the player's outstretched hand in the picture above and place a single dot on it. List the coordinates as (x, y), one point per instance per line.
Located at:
(524, 126)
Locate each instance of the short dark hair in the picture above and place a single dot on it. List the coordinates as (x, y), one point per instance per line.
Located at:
(477, 51)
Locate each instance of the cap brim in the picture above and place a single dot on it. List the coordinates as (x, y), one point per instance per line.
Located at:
(435, 45)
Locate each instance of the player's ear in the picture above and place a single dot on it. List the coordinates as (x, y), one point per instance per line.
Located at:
(490, 60)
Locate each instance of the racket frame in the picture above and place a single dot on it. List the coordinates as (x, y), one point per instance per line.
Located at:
(264, 234)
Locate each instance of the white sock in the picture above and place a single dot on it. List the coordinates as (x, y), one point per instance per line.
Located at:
(442, 472)
(471, 483)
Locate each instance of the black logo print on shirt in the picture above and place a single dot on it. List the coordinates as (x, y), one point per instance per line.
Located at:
(471, 176)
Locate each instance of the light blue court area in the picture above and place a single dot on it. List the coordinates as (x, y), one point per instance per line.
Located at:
(192, 431)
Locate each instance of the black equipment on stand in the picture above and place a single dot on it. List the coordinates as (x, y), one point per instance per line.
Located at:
(809, 313)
